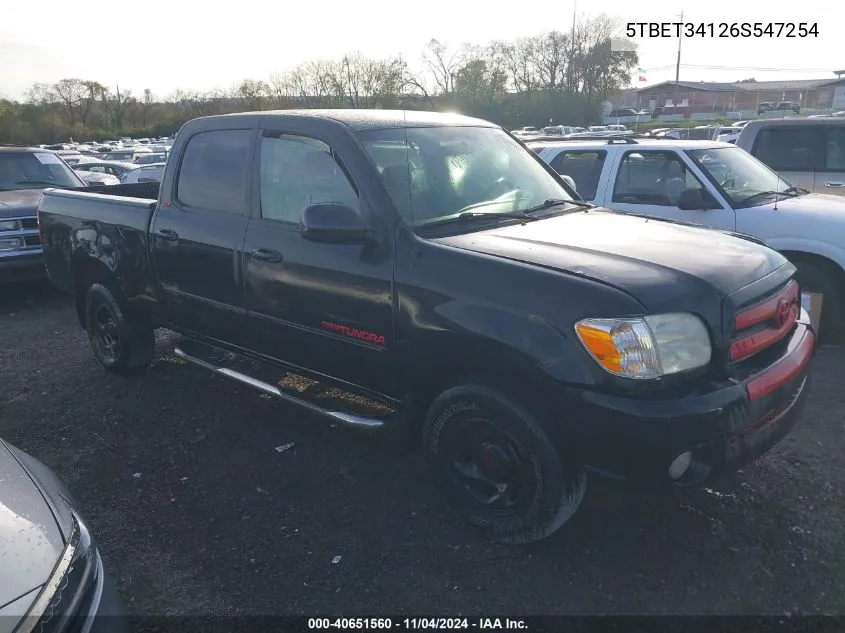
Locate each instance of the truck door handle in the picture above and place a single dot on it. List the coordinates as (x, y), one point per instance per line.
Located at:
(167, 234)
(834, 183)
(267, 255)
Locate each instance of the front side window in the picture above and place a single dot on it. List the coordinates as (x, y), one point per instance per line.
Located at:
(213, 172)
(583, 167)
(298, 171)
(654, 178)
(785, 148)
(434, 174)
(742, 179)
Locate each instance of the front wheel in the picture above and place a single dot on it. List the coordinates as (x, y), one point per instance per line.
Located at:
(813, 278)
(497, 468)
(122, 342)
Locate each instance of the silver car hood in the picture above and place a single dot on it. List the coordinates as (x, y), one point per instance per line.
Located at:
(30, 540)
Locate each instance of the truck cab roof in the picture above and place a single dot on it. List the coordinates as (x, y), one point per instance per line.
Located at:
(356, 119)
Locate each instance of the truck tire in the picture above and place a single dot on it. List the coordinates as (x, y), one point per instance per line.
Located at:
(497, 468)
(814, 278)
(122, 342)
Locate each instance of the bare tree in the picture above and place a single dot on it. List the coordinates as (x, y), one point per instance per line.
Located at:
(252, 93)
(551, 58)
(147, 102)
(282, 90)
(442, 63)
(521, 61)
(70, 93)
(115, 106)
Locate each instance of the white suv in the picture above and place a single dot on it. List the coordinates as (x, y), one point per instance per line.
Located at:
(717, 185)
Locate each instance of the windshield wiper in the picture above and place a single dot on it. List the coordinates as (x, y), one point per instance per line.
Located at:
(791, 192)
(469, 216)
(483, 215)
(554, 202)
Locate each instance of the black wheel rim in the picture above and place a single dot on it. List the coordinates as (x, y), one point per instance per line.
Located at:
(106, 334)
(489, 469)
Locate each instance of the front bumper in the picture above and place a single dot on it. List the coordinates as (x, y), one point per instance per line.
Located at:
(636, 440)
(22, 265)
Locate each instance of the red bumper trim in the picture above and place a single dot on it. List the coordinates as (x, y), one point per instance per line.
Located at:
(784, 370)
(767, 309)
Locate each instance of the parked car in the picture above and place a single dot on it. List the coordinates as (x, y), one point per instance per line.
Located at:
(425, 276)
(720, 186)
(789, 106)
(728, 134)
(126, 155)
(144, 173)
(113, 168)
(150, 158)
(91, 178)
(24, 173)
(52, 576)
(809, 153)
(765, 106)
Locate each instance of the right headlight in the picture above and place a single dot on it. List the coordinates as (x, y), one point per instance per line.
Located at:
(64, 592)
(647, 347)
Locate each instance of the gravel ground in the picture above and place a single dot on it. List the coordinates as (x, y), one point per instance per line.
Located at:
(197, 513)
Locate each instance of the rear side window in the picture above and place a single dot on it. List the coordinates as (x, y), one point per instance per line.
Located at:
(213, 172)
(786, 148)
(835, 148)
(583, 167)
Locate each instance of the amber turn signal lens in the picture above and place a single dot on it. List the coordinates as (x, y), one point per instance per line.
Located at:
(599, 342)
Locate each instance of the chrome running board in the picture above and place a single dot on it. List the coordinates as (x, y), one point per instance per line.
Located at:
(347, 419)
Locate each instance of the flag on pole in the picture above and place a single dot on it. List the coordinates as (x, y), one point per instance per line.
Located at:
(641, 78)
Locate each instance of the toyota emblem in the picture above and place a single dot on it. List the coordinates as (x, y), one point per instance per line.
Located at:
(782, 312)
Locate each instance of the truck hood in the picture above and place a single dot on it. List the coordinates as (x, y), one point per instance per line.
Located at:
(666, 266)
(816, 204)
(30, 540)
(20, 203)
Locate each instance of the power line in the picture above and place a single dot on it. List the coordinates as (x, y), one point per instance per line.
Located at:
(743, 68)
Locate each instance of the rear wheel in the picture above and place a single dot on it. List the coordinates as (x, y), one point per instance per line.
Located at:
(497, 468)
(123, 342)
(814, 278)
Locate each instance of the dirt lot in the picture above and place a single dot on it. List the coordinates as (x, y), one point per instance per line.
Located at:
(197, 513)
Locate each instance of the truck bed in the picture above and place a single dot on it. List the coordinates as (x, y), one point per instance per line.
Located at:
(112, 227)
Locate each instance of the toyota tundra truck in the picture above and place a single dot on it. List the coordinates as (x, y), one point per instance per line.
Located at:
(426, 278)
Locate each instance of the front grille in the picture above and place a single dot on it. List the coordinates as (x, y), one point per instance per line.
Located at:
(765, 323)
(29, 224)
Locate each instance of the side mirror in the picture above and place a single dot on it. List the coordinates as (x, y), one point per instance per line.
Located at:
(695, 200)
(332, 223)
(569, 181)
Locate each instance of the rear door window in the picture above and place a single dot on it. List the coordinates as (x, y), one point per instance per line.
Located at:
(584, 167)
(213, 173)
(786, 148)
(834, 148)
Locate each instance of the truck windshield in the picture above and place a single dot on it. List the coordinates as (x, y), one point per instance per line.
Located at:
(34, 170)
(435, 173)
(742, 179)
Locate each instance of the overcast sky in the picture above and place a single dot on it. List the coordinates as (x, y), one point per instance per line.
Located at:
(164, 45)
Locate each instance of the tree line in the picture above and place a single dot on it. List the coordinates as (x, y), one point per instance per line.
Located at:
(553, 76)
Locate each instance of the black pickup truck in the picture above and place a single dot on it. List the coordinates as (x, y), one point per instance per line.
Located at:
(427, 277)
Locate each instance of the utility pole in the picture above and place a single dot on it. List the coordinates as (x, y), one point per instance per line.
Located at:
(570, 68)
(678, 63)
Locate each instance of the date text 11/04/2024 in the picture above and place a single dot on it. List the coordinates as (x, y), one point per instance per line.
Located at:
(414, 624)
(722, 29)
